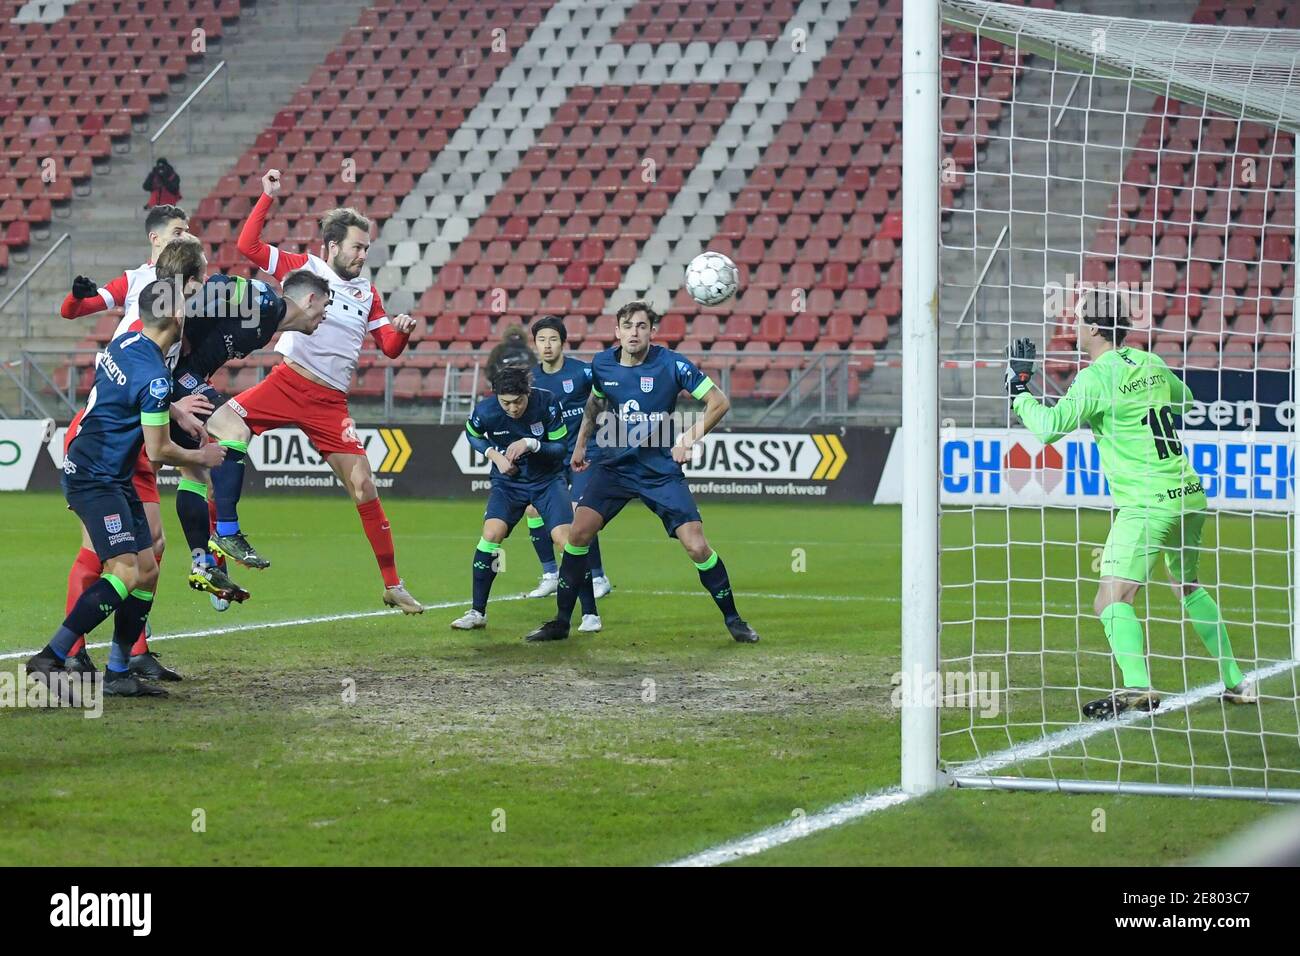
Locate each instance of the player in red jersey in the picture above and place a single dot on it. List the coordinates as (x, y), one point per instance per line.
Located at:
(309, 389)
(162, 225)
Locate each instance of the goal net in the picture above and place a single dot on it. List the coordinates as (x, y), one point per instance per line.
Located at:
(1153, 162)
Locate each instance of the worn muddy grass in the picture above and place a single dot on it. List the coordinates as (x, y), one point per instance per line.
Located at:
(392, 739)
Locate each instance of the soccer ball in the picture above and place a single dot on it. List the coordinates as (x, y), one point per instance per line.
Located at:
(712, 278)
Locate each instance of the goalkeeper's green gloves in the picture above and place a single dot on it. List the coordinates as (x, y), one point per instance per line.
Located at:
(1020, 367)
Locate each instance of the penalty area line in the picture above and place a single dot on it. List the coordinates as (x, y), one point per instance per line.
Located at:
(269, 625)
(867, 804)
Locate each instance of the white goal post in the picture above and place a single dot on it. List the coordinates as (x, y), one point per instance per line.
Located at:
(1046, 152)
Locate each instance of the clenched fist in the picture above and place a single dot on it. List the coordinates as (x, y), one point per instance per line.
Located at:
(271, 182)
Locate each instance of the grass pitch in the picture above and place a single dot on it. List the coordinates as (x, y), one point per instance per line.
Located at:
(384, 739)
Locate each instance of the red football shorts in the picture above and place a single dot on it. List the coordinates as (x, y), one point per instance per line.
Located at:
(286, 399)
(144, 479)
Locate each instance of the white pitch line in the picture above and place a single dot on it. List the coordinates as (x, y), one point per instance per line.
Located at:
(267, 625)
(867, 804)
(358, 615)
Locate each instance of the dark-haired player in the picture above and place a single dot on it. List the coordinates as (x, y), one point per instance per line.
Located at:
(127, 409)
(569, 380)
(1129, 398)
(634, 392)
(522, 432)
(228, 318)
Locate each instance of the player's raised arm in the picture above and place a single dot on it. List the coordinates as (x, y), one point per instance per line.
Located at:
(391, 335)
(266, 257)
(86, 298)
(1047, 424)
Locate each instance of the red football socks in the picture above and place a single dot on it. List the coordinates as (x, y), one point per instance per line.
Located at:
(380, 534)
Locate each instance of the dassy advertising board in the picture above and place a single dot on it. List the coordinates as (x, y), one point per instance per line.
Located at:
(436, 461)
(1239, 470)
(840, 465)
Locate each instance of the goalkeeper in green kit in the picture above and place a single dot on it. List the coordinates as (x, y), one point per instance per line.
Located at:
(1129, 398)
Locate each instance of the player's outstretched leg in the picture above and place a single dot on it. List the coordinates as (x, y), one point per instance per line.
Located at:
(228, 484)
(205, 575)
(1203, 611)
(484, 572)
(85, 571)
(713, 575)
(353, 470)
(546, 555)
(92, 608)
(1114, 605)
(573, 573)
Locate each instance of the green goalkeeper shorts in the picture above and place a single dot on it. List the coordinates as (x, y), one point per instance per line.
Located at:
(1139, 535)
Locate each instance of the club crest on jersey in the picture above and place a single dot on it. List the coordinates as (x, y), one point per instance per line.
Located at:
(647, 383)
(568, 384)
(113, 523)
(160, 388)
(536, 428)
(189, 381)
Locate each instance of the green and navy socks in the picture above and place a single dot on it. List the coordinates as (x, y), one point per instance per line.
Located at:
(228, 485)
(575, 584)
(542, 544)
(713, 575)
(485, 572)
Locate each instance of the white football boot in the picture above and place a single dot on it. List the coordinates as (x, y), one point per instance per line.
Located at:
(548, 585)
(1243, 693)
(601, 586)
(590, 623)
(469, 621)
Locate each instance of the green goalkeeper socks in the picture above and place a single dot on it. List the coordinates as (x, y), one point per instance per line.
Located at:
(1203, 612)
(1125, 635)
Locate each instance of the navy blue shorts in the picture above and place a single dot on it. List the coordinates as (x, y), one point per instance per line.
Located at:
(668, 496)
(187, 383)
(507, 501)
(113, 516)
(578, 480)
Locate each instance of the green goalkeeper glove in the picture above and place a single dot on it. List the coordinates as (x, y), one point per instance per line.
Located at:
(1020, 366)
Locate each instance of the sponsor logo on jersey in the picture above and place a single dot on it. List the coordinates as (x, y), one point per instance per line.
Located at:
(239, 409)
(536, 428)
(160, 388)
(109, 365)
(647, 383)
(614, 384)
(568, 384)
(113, 523)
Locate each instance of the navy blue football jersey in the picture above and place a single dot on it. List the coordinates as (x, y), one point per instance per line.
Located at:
(571, 386)
(229, 318)
(642, 399)
(132, 386)
(541, 420)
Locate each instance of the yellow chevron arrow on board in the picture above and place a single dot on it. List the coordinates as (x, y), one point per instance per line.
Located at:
(841, 456)
(399, 449)
(393, 450)
(828, 457)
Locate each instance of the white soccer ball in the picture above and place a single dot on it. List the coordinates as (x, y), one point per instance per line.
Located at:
(712, 278)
